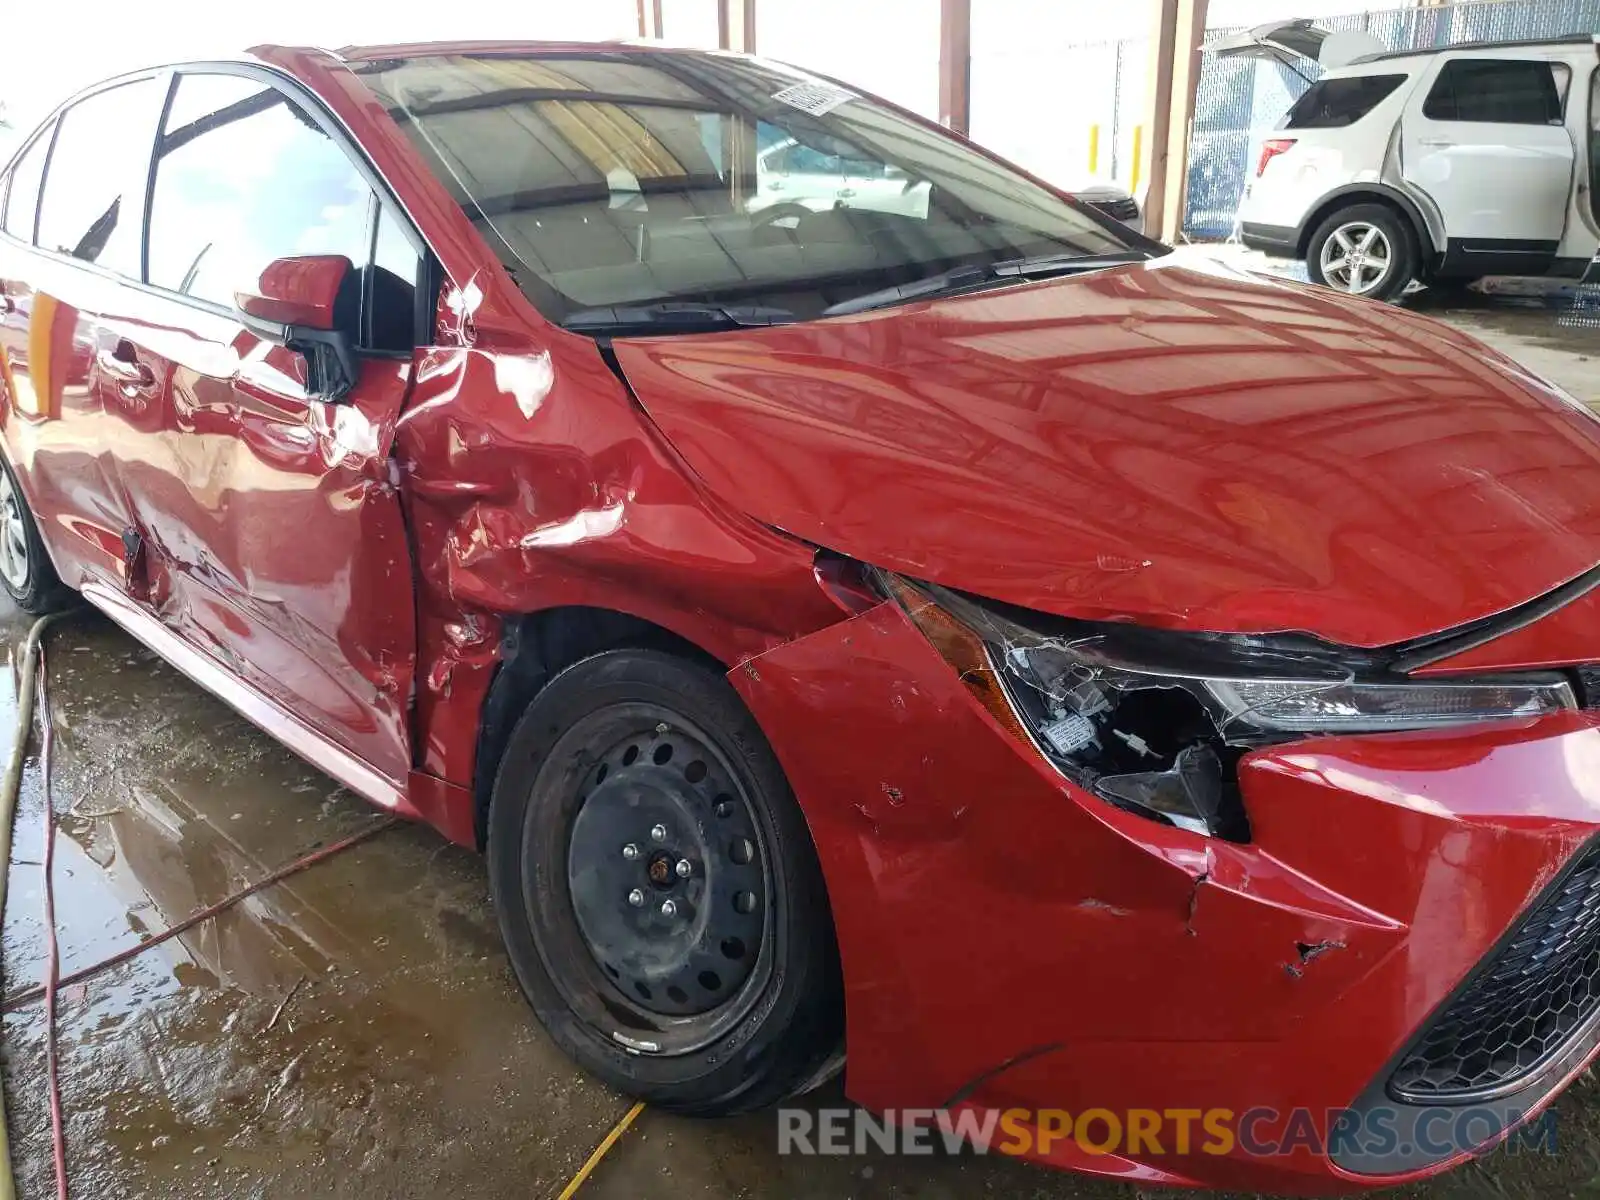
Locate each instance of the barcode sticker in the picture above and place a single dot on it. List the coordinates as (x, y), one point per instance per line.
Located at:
(813, 98)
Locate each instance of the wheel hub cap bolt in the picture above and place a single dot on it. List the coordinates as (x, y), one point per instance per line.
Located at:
(669, 908)
(684, 869)
(630, 852)
(636, 898)
(659, 833)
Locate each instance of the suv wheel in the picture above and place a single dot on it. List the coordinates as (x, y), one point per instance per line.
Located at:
(658, 891)
(1364, 250)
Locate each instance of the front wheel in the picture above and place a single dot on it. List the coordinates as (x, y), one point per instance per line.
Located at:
(658, 891)
(1364, 250)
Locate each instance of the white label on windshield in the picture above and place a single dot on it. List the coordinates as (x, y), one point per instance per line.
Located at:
(813, 98)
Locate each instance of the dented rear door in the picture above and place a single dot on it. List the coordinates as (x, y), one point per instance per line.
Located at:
(266, 524)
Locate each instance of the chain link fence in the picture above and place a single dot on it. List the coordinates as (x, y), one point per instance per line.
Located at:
(1238, 100)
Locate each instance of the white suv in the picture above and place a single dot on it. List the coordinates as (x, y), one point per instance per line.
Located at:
(1441, 165)
(805, 178)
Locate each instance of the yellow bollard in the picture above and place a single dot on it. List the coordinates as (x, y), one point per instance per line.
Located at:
(1138, 158)
(1094, 150)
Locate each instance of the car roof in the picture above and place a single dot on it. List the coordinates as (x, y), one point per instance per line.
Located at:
(508, 48)
(1573, 39)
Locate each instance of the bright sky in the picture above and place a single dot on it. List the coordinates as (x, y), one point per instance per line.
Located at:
(891, 45)
(44, 60)
(1034, 97)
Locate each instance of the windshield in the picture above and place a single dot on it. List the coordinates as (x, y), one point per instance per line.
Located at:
(632, 178)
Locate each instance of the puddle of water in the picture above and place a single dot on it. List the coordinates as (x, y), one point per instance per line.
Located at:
(165, 801)
(405, 1052)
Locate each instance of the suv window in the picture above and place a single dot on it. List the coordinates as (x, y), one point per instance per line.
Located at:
(1332, 103)
(1499, 91)
(93, 205)
(22, 198)
(243, 176)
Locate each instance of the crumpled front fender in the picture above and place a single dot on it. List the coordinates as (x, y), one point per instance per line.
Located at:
(1008, 939)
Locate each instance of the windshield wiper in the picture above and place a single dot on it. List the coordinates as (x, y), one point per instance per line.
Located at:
(672, 316)
(979, 275)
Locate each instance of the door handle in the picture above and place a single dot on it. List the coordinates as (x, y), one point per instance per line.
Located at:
(846, 193)
(123, 365)
(1434, 142)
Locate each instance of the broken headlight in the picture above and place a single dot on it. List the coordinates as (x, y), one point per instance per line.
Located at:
(1155, 721)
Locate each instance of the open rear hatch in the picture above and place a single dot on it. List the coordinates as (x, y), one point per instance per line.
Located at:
(1295, 42)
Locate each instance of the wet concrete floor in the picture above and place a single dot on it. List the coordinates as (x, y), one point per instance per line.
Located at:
(405, 1062)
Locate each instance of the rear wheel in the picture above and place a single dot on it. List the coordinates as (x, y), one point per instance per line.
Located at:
(657, 888)
(26, 571)
(1364, 250)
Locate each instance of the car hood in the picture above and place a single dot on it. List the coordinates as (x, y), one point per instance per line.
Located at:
(1184, 445)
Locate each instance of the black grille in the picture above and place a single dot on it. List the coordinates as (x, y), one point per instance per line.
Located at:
(1589, 685)
(1121, 210)
(1522, 1008)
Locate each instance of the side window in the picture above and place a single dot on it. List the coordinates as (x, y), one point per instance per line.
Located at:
(93, 206)
(1563, 75)
(391, 301)
(243, 177)
(803, 160)
(1497, 91)
(862, 168)
(22, 198)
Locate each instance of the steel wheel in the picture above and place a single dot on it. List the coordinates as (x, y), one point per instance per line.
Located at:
(14, 558)
(669, 883)
(710, 987)
(1357, 258)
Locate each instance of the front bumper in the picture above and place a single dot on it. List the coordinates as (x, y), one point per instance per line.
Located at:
(1010, 942)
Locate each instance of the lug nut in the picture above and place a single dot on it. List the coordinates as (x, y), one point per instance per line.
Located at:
(684, 868)
(636, 898)
(669, 908)
(659, 833)
(630, 852)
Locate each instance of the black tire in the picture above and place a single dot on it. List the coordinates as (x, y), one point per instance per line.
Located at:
(1393, 230)
(673, 738)
(26, 571)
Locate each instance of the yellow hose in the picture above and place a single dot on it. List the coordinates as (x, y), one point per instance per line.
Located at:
(610, 1140)
(10, 787)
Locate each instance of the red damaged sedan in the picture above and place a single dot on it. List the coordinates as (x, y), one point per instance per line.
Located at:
(861, 601)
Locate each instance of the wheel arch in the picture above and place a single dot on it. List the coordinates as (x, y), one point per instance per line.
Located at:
(1368, 193)
(24, 484)
(537, 646)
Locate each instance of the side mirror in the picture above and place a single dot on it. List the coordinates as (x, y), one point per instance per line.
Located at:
(296, 303)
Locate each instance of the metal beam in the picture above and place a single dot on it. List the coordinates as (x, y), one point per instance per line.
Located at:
(955, 64)
(1178, 28)
(736, 25)
(1157, 111)
(1185, 79)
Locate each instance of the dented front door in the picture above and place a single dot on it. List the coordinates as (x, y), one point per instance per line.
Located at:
(266, 524)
